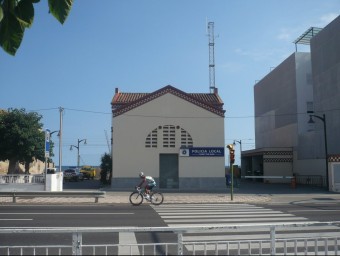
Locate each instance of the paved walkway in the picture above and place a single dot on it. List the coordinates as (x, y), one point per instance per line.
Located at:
(249, 192)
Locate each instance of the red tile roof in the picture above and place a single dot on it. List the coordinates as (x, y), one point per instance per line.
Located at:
(123, 102)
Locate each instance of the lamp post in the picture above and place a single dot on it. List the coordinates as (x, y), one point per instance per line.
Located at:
(78, 156)
(60, 136)
(323, 119)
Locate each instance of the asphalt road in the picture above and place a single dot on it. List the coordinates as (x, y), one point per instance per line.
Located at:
(125, 215)
(122, 215)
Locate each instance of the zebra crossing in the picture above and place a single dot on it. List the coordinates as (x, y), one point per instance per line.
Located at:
(178, 215)
(192, 215)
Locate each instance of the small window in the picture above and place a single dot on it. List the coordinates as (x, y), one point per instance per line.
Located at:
(310, 106)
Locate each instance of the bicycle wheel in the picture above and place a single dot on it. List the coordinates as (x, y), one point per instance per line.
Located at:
(157, 198)
(136, 198)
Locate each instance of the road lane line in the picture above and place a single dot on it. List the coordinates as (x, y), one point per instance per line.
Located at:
(65, 213)
(216, 213)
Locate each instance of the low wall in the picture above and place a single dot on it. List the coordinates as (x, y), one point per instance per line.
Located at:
(9, 183)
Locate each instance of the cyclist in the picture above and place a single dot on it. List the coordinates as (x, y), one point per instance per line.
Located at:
(147, 183)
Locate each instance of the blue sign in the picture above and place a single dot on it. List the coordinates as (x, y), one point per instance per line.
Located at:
(206, 151)
(47, 143)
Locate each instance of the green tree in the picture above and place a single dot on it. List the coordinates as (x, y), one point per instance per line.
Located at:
(106, 169)
(17, 15)
(22, 138)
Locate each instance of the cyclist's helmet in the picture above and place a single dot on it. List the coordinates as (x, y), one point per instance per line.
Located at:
(141, 174)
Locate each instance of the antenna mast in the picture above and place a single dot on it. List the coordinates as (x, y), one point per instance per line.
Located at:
(107, 141)
(211, 57)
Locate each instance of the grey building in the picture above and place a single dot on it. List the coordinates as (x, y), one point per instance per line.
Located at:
(287, 143)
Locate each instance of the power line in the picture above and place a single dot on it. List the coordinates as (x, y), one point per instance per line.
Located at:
(159, 116)
(89, 111)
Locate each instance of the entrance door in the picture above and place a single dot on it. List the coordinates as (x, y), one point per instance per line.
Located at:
(168, 172)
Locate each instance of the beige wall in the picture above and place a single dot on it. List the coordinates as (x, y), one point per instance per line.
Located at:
(36, 167)
(131, 129)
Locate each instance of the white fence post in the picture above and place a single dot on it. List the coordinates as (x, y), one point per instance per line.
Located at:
(272, 241)
(77, 243)
(180, 243)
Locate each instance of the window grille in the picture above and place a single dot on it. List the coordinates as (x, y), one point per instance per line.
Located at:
(151, 139)
(169, 136)
(186, 140)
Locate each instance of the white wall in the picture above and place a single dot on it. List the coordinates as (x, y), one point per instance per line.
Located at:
(131, 129)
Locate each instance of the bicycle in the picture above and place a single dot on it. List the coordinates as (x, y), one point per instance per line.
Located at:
(137, 197)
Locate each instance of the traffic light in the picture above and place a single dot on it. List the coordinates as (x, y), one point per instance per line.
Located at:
(232, 156)
(231, 153)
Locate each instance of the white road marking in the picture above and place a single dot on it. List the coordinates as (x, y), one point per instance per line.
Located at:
(315, 210)
(191, 213)
(226, 216)
(227, 220)
(207, 215)
(67, 213)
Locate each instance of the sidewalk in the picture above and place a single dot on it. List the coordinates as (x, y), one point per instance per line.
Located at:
(249, 192)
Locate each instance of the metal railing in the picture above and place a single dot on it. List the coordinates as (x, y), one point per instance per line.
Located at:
(21, 178)
(14, 194)
(311, 180)
(297, 244)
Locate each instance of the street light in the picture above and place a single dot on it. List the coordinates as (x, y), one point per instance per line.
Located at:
(323, 119)
(54, 132)
(78, 157)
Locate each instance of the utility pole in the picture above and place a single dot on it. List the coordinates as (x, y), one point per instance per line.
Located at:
(107, 141)
(60, 137)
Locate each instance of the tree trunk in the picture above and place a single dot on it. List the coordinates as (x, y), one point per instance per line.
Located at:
(12, 167)
(27, 168)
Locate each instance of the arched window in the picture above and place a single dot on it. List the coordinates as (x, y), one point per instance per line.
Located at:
(151, 139)
(170, 134)
(186, 140)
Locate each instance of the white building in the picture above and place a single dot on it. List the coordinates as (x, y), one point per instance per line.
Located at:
(173, 136)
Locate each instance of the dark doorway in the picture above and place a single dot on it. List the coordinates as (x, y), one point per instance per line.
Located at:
(168, 170)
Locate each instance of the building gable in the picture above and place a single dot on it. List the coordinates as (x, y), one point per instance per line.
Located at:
(123, 102)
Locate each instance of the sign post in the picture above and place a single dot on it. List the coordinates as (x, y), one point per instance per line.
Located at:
(47, 153)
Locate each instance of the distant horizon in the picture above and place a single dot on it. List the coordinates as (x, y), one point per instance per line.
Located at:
(64, 167)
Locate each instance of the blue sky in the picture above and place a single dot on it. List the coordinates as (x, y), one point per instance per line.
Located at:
(142, 46)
